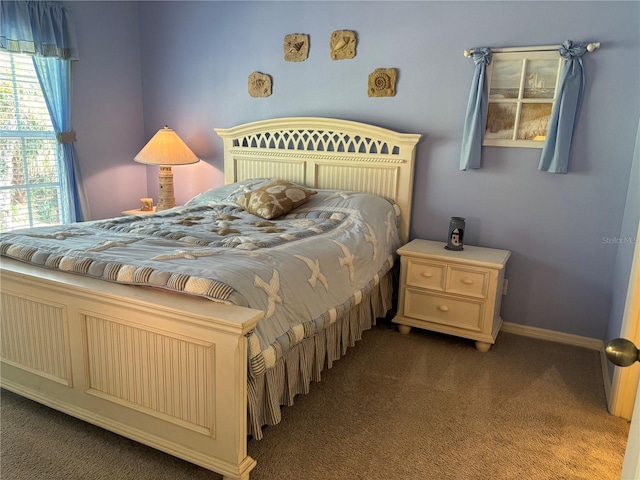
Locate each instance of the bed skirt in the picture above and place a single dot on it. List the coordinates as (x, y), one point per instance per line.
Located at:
(293, 372)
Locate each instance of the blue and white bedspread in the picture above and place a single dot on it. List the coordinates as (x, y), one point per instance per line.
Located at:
(300, 269)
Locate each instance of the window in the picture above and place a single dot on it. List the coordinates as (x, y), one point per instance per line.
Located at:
(522, 89)
(31, 167)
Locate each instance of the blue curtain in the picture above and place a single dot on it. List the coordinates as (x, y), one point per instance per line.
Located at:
(557, 146)
(45, 31)
(476, 118)
(55, 79)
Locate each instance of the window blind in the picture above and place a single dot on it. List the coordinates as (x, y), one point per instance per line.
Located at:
(30, 179)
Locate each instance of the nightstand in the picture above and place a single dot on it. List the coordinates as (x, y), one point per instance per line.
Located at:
(139, 212)
(453, 292)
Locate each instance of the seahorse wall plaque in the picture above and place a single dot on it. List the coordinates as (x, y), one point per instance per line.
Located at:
(259, 84)
(382, 82)
(342, 44)
(296, 47)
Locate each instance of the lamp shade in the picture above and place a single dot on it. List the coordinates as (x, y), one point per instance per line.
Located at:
(166, 148)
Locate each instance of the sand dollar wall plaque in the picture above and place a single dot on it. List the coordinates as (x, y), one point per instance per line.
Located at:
(382, 82)
(342, 44)
(296, 47)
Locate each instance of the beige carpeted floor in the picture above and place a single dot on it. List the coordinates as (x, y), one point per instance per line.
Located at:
(418, 406)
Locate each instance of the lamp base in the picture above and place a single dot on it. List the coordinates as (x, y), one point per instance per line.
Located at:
(166, 198)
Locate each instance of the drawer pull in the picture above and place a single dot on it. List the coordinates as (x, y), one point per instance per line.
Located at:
(467, 281)
(443, 308)
(426, 274)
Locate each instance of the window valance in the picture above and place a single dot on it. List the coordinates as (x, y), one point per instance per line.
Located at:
(43, 29)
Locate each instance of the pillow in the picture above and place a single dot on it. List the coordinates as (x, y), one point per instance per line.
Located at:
(274, 199)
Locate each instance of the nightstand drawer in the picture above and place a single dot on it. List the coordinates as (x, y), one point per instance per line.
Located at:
(467, 281)
(425, 275)
(442, 309)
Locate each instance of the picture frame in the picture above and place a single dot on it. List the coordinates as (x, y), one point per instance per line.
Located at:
(522, 90)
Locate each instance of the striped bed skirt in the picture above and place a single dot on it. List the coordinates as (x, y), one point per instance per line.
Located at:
(293, 372)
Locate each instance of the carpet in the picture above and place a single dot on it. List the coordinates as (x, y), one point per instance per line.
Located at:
(417, 406)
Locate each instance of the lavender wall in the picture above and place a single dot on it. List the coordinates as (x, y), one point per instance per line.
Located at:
(196, 56)
(107, 105)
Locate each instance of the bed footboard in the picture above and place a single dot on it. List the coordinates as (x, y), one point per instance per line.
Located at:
(163, 369)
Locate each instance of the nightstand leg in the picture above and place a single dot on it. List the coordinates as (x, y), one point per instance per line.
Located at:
(483, 346)
(404, 329)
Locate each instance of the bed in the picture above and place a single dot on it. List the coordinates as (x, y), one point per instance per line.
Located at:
(185, 365)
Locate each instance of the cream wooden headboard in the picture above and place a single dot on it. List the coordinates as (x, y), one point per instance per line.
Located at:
(325, 153)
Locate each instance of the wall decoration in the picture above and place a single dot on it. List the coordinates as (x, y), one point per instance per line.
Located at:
(525, 97)
(382, 82)
(343, 44)
(259, 84)
(296, 47)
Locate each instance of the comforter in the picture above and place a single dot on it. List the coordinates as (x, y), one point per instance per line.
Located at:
(302, 269)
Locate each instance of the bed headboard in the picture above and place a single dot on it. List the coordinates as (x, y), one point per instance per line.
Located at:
(325, 153)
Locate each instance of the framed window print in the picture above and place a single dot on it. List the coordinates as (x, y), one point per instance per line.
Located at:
(522, 89)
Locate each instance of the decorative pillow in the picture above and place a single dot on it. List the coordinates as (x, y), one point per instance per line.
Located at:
(274, 199)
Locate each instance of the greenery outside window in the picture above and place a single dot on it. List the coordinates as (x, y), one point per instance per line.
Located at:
(522, 89)
(31, 169)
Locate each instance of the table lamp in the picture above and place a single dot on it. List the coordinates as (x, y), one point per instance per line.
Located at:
(166, 149)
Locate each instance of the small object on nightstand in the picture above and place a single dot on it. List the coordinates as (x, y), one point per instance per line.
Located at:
(146, 204)
(453, 292)
(456, 234)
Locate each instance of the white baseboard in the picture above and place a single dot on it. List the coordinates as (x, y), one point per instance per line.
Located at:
(553, 336)
(568, 339)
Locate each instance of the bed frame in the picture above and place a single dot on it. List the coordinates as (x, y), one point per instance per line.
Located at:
(167, 370)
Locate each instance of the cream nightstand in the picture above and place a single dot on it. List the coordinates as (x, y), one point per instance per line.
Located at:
(453, 292)
(138, 212)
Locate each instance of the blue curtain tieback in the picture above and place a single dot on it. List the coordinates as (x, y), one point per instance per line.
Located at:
(481, 55)
(570, 50)
(66, 137)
